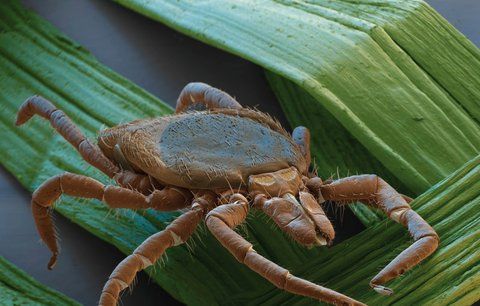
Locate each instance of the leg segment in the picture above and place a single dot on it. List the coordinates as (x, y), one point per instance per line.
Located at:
(221, 221)
(86, 187)
(304, 220)
(150, 251)
(301, 136)
(60, 121)
(374, 191)
(205, 96)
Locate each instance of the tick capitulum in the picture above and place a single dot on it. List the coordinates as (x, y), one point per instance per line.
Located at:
(217, 160)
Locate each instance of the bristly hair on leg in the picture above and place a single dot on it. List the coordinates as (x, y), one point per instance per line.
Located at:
(197, 235)
(190, 246)
(161, 262)
(133, 283)
(314, 166)
(202, 229)
(243, 229)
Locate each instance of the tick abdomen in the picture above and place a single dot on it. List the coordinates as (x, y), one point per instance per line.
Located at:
(206, 150)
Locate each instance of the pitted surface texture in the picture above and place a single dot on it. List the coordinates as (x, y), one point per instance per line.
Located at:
(209, 149)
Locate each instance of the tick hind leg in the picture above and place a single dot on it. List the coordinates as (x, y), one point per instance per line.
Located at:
(152, 249)
(375, 191)
(201, 96)
(221, 221)
(86, 187)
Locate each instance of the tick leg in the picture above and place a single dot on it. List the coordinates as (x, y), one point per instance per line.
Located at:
(91, 153)
(375, 191)
(221, 221)
(65, 127)
(149, 252)
(207, 97)
(86, 187)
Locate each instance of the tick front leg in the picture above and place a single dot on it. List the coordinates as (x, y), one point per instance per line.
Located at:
(65, 127)
(90, 152)
(221, 221)
(375, 191)
(86, 187)
(202, 95)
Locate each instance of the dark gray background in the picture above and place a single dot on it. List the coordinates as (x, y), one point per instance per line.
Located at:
(161, 61)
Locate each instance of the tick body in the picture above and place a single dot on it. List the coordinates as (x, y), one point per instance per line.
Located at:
(203, 149)
(217, 160)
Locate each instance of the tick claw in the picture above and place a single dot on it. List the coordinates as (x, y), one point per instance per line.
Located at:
(52, 262)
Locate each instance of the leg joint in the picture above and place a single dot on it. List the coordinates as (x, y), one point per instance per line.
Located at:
(119, 197)
(48, 192)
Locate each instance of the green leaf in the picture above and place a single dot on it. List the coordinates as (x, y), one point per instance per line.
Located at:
(18, 288)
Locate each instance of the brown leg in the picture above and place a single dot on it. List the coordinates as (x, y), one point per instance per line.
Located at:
(221, 221)
(204, 96)
(86, 187)
(149, 252)
(60, 121)
(90, 152)
(373, 190)
(301, 136)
